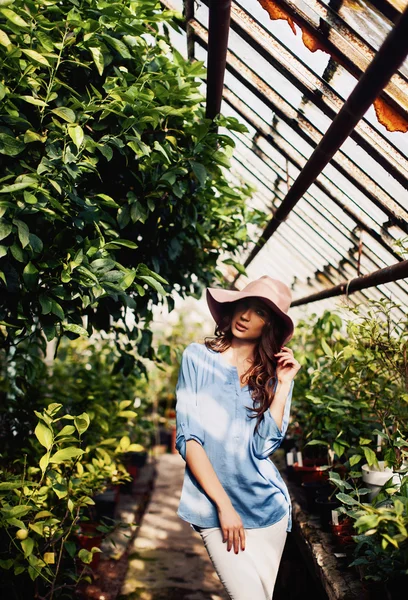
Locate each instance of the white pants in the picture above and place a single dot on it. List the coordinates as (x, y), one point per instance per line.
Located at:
(250, 574)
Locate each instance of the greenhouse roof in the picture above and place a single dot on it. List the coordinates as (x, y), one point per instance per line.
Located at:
(290, 67)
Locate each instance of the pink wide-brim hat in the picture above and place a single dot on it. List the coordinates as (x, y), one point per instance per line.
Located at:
(273, 292)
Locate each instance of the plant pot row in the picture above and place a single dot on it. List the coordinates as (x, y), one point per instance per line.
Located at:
(134, 462)
(320, 499)
(88, 535)
(319, 494)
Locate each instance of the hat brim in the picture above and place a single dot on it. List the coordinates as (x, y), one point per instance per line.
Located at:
(217, 298)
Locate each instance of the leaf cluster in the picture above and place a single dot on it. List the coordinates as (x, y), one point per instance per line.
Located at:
(381, 530)
(113, 190)
(41, 505)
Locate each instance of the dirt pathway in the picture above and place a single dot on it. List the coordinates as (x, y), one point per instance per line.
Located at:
(168, 560)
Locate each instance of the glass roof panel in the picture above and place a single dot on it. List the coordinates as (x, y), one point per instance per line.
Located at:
(287, 95)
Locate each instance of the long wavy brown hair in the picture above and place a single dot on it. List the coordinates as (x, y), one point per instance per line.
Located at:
(262, 373)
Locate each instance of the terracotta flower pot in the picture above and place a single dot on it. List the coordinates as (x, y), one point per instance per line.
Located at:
(135, 459)
(89, 537)
(343, 535)
(105, 503)
(309, 473)
(325, 507)
(314, 462)
(311, 490)
(344, 527)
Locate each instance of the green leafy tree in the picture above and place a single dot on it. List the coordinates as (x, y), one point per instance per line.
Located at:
(113, 188)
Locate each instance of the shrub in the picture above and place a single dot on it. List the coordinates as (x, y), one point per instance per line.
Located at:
(113, 191)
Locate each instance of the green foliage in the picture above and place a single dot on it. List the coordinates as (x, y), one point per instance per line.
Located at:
(354, 387)
(325, 417)
(76, 455)
(113, 189)
(113, 194)
(374, 365)
(83, 379)
(93, 384)
(42, 501)
(381, 533)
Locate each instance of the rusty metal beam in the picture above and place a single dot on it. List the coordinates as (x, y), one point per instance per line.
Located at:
(380, 149)
(303, 257)
(379, 237)
(345, 45)
(387, 9)
(218, 31)
(389, 207)
(358, 219)
(350, 236)
(385, 154)
(393, 161)
(189, 16)
(391, 54)
(387, 248)
(386, 275)
(303, 78)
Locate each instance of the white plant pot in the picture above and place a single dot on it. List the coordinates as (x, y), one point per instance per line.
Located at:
(375, 478)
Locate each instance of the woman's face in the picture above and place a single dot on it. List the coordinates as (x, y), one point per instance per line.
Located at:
(248, 319)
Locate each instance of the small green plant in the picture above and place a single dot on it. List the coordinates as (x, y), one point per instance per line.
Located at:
(381, 531)
(374, 365)
(41, 504)
(326, 415)
(357, 401)
(350, 492)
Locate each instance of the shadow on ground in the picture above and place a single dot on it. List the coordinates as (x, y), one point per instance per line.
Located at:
(167, 559)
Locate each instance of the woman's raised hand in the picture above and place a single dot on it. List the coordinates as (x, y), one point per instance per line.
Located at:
(232, 528)
(287, 365)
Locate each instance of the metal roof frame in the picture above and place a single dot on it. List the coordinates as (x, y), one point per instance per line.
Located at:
(359, 221)
(350, 51)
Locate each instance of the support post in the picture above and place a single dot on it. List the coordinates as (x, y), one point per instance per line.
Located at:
(218, 31)
(189, 16)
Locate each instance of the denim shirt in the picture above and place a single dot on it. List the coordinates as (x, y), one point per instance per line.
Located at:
(210, 408)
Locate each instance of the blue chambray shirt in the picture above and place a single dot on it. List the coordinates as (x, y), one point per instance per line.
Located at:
(210, 409)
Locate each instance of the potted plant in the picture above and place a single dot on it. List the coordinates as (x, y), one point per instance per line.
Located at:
(40, 506)
(313, 489)
(381, 550)
(326, 414)
(368, 412)
(343, 532)
(378, 343)
(326, 502)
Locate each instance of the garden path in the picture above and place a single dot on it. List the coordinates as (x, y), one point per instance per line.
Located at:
(167, 560)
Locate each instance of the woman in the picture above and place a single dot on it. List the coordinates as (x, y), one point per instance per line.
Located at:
(231, 494)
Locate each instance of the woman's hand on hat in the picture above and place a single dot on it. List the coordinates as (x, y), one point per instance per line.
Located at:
(287, 366)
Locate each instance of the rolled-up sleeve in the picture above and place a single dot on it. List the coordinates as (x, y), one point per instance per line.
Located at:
(188, 422)
(269, 437)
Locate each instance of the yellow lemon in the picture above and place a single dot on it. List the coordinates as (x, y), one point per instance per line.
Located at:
(22, 534)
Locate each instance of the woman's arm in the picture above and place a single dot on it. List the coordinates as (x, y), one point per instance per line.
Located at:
(190, 442)
(272, 428)
(202, 469)
(277, 406)
(232, 528)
